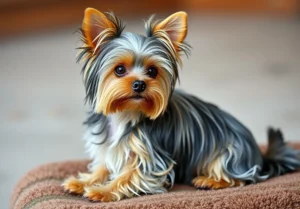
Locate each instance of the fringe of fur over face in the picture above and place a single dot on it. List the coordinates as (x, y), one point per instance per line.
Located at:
(144, 149)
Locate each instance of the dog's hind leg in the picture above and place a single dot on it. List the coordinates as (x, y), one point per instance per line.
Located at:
(203, 182)
(215, 178)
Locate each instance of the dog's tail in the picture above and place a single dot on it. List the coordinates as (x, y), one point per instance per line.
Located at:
(279, 158)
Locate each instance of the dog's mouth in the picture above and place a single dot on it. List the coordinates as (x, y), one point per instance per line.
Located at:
(137, 97)
(133, 98)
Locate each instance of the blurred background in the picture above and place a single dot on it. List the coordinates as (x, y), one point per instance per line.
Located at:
(245, 58)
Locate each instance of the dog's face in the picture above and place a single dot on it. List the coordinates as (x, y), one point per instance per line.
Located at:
(130, 72)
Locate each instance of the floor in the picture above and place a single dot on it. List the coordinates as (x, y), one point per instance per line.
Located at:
(248, 66)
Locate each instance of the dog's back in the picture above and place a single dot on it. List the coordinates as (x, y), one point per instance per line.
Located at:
(196, 134)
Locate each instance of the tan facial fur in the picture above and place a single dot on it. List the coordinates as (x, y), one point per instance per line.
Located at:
(115, 92)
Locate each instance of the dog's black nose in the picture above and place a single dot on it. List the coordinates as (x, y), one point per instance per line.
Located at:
(139, 86)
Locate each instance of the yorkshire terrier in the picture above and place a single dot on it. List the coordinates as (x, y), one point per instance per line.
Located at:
(143, 135)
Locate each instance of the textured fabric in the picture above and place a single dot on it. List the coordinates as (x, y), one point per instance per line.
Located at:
(41, 188)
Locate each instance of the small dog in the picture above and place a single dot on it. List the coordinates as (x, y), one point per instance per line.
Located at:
(143, 135)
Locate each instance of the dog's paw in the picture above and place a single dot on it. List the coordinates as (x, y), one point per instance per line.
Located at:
(74, 185)
(99, 193)
(202, 182)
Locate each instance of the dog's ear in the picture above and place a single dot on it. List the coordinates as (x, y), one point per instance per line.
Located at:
(174, 26)
(98, 28)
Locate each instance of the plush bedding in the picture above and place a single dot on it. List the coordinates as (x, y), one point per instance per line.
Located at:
(41, 188)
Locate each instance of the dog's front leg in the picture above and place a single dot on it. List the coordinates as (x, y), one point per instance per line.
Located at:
(137, 174)
(77, 185)
(124, 185)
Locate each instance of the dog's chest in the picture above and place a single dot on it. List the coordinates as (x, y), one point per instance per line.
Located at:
(115, 151)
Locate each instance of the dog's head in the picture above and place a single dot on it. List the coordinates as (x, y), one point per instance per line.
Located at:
(127, 71)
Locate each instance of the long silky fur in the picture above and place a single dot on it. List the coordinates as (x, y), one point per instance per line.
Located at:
(90, 58)
(184, 140)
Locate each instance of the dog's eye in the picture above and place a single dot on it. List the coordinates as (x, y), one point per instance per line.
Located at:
(120, 70)
(152, 72)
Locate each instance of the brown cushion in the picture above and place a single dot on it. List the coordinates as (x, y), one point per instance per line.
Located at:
(41, 188)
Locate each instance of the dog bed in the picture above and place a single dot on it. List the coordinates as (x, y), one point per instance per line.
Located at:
(41, 188)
